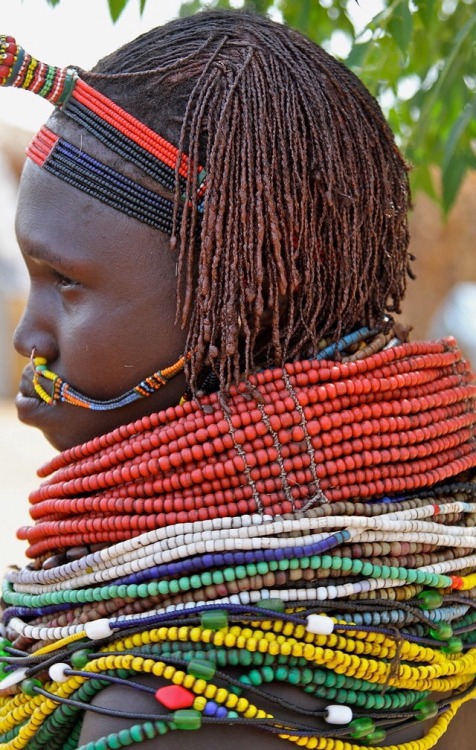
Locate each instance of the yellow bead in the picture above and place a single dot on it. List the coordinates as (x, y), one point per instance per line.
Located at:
(199, 703)
(189, 681)
(179, 677)
(232, 700)
(137, 663)
(200, 686)
(169, 672)
(242, 705)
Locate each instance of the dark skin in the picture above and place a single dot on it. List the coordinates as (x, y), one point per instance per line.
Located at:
(97, 280)
(101, 310)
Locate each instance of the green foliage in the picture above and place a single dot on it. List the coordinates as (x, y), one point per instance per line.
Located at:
(416, 56)
(116, 7)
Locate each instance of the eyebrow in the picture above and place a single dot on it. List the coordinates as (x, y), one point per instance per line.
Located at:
(41, 252)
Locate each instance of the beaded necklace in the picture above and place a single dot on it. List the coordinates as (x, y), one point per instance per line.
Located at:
(281, 535)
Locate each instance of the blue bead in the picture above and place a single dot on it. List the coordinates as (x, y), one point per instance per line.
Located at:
(210, 709)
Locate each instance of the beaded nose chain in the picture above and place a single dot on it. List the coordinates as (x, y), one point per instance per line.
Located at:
(111, 125)
(63, 391)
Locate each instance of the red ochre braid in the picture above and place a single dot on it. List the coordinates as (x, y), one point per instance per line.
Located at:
(392, 423)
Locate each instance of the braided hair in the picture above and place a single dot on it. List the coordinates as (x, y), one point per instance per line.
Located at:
(303, 231)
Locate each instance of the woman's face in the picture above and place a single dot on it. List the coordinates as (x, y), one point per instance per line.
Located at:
(101, 307)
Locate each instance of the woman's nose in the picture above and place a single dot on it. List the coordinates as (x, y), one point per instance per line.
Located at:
(33, 332)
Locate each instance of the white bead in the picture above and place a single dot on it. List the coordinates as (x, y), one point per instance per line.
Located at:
(338, 714)
(332, 592)
(13, 678)
(97, 629)
(57, 672)
(319, 624)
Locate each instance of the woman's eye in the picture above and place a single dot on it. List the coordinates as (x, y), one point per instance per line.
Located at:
(64, 281)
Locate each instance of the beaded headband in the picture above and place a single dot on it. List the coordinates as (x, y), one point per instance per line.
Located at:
(110, 124)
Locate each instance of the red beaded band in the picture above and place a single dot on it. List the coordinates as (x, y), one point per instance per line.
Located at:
(105, 119)
(393, 423)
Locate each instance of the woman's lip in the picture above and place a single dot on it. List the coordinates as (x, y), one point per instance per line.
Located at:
(28, 407)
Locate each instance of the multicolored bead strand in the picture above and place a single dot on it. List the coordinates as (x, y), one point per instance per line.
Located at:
(109, 123)
(62, 391)
(153, 553)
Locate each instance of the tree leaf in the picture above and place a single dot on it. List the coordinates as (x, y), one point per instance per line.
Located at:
(116, 7)
(427, 12)
(466, 119)
(358, 53)
(400, 25)
(422, 179)
(451, 179)
(53, 2)
(142, 6)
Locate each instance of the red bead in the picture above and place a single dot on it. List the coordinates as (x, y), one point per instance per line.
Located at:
(175, 697)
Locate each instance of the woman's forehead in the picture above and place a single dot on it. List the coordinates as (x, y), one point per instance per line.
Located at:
(57, 219)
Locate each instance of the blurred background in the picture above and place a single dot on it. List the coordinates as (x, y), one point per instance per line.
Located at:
(416, 56)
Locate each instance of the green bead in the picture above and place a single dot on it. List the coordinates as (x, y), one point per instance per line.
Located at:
(4, 643)
(188, 719)
(80, 658)
(425, 709)
(215, 619)
(294, 676)
(454, 645)
(28, 686)
(430, 599)
(137, 735)
(113, 742)
(276, 605)
(148, 729)
(3, 671)
(361, 727)
(255, 677)
(161, 727)
(124, 736)
(306, 676)
(202, 669)
(375, 738)
(217, 576)
(441, 631)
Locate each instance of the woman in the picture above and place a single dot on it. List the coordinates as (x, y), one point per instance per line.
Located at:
(221, 204)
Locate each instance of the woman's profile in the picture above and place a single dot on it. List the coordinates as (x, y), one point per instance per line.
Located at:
(260, 524)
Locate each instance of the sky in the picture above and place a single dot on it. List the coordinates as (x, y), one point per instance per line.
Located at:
(75, 32)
